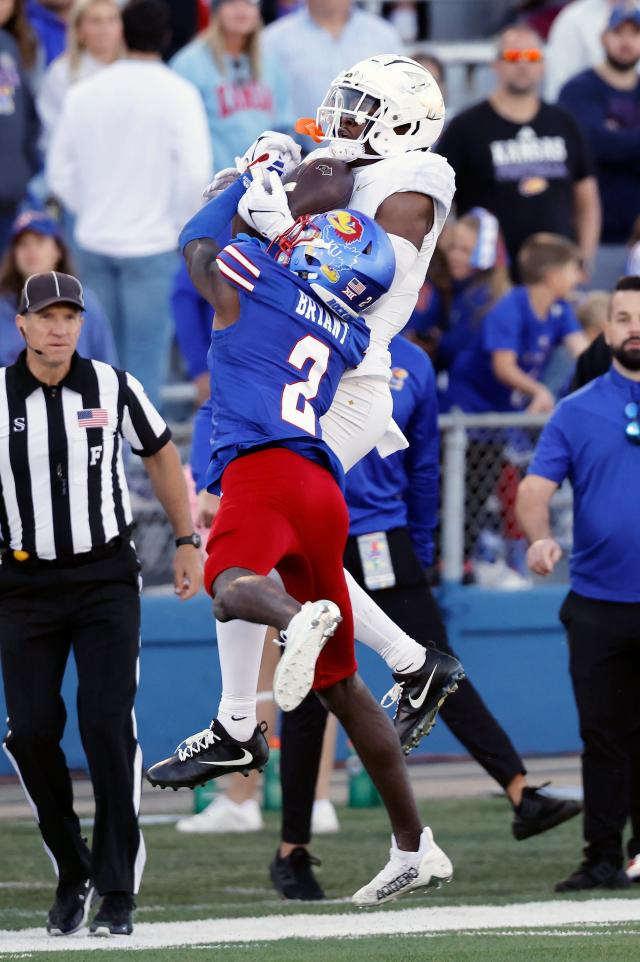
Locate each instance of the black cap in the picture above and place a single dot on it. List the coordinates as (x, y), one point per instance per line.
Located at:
(43, 290)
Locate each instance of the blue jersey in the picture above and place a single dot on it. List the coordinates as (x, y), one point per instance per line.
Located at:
(274, 372)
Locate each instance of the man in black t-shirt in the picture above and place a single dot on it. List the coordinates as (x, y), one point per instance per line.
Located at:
(522, 159)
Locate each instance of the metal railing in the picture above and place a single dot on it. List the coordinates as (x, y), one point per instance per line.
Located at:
(468, 484)
(483, 458)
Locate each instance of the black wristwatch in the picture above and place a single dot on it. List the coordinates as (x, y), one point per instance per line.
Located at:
(193, 539)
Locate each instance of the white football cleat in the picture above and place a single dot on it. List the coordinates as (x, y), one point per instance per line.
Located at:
(429, 868)
(304, 638)
(324, 820)
(222, 816)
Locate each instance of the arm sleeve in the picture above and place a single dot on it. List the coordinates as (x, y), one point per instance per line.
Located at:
(552, 456)
(422, 465)
(142, 426)
(201, 445)
(193, 318)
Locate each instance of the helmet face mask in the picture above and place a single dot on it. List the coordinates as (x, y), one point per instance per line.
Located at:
(344, 256)
(396, 98)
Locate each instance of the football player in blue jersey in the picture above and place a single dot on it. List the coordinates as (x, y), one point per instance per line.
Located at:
(281, 342)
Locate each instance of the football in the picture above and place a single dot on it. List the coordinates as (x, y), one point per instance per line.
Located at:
(321, 185)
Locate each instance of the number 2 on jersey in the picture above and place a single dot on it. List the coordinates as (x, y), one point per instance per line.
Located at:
(307, 349)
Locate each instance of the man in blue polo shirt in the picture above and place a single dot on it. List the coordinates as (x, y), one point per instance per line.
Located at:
(593, 438)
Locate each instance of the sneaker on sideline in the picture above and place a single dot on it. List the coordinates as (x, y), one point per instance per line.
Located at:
(115, 915)
(539, 811)
(209, 754)
(303, 640)
(71, 907)
(293, 876)
(324, 820)
(429, 867)
(222, 816)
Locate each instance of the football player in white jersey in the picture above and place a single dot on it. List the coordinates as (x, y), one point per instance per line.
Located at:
(381, 116)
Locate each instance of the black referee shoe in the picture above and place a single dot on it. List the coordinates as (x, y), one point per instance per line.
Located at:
(209, 754)
(70, 910)
(293, 878)
(594, 875)
(115, 915)
(538, 812)
(420, 694)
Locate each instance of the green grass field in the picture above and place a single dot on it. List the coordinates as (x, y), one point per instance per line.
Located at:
(200, 877)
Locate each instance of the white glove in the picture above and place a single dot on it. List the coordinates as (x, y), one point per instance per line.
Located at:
(264, 205)
(222, 180)
(271, 151)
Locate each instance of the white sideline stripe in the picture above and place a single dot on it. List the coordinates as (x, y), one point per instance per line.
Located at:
(269, 928)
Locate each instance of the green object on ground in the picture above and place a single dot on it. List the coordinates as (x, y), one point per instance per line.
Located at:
(362, 792)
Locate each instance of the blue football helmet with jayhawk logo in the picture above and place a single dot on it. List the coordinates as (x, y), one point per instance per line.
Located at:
(345, 257)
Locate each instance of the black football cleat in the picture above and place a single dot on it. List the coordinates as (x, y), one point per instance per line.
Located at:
(538, 812)
(420, 694)
(115, 915)
(71, 908)
(594, 875)
(293, 877)
(209, 754)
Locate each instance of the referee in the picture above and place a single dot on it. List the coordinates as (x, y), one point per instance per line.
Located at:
(69, 578)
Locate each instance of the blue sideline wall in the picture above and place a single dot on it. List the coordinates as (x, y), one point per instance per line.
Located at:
(511, 644)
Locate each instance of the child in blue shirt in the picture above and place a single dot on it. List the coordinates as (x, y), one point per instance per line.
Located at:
(502, 371)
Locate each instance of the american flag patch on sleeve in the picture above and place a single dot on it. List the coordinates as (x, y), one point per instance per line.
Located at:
(93, 418)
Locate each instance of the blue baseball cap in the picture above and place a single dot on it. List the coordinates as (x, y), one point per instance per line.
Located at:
(37, 221)
(620, 15)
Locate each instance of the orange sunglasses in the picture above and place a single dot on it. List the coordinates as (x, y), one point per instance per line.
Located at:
(517, 56)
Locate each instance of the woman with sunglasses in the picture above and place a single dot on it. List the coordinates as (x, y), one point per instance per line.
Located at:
(593, 438)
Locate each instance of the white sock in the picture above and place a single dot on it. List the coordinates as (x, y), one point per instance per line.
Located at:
(240, 645)
(378, 632)
(409, 857)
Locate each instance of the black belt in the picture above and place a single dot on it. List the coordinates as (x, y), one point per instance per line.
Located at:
(18, 559)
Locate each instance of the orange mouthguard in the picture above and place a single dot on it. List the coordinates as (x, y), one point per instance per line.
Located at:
(308, 126)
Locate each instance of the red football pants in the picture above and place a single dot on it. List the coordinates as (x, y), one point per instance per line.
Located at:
(280, 510)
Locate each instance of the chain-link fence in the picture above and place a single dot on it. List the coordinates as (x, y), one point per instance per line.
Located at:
(484, 458)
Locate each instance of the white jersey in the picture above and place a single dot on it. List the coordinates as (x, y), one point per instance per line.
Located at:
(424, 173)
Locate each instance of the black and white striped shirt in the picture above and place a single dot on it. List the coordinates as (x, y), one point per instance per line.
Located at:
(63, 490)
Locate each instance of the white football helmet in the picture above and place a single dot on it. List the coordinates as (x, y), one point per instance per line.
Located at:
(396, 98)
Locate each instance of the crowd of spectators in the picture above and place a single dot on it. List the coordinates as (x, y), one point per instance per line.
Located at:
(114, 116)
